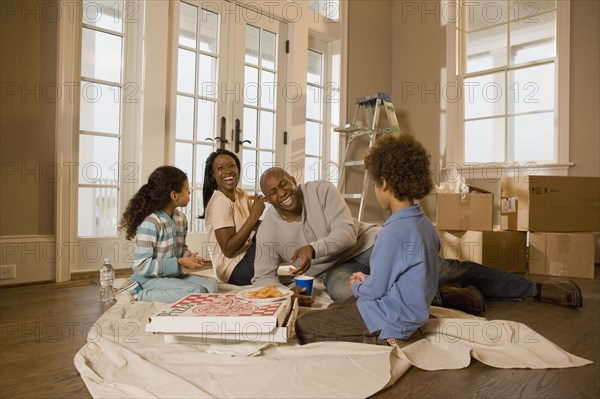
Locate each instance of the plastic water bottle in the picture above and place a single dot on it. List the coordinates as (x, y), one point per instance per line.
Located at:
(107, 279)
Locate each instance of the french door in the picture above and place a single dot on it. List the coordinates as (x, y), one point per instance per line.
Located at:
(229, 79)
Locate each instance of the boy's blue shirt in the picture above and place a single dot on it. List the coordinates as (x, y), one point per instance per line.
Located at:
(395, 298)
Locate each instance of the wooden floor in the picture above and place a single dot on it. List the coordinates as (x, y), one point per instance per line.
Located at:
(43, 326)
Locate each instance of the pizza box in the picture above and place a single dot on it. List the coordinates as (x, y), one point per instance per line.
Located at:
(219, 313)
(280, 334)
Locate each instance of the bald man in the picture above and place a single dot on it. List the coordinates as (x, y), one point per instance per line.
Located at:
(311, 226)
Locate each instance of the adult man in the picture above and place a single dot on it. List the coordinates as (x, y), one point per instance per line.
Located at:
(311, 223)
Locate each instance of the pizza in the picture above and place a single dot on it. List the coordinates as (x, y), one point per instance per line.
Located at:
(269, 291)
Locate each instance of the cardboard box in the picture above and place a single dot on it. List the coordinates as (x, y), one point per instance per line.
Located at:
(550, 203)
(562, 254)
(464, 211)
(504, 250)
(219, 313)
(280, 334)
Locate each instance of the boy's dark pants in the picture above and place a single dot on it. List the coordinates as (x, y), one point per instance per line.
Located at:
(341, 321)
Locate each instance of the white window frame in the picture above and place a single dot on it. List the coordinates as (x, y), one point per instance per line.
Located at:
(452, 105)
(330, 148)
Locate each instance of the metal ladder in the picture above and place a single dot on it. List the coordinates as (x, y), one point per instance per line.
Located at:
(369, 107)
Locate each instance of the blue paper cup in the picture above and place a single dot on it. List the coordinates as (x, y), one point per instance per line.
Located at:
(305, 282)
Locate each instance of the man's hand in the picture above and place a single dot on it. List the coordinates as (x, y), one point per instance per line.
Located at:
(306, 254)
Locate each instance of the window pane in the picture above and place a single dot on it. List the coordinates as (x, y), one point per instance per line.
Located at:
(99, 108)
(531, 89)
(188, 22)
(209, 31)
(484, 96)
(313, 138)
(252, 41)
(206, 120)
(249, 127)
(100, 56)
(183, 158)
(315, 73)
(267, 128)
(314, 98)
(312, 169)
(97, 211)
(534, 137)
(268, 92)
(481, 13)
(250, 85)
(484, 140)
(268, 49)
(249, 167)
(207, 76)
(531, 41)
(203, 151)
(486, 49)
(186, 71)
(184, 123)
(98, 159)
(106, 14)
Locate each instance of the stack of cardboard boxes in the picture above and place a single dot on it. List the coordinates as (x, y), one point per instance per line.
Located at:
(561, 215)
(547, 226)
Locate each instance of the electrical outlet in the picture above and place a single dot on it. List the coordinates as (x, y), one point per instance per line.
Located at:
(8, 272)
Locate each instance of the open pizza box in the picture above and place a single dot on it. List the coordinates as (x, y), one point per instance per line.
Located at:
(213, 318)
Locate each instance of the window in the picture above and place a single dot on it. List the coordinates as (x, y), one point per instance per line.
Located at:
(227, 83)
(100, 135)
(198, 61)
(314, 116)
(508, 68)
(322, 112)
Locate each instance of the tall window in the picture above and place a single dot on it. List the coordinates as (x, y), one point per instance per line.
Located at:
(227, 77)
(508, 68)
(260, 105)
(315, 92)
(100, 135)
(198, 62)
(322, 111)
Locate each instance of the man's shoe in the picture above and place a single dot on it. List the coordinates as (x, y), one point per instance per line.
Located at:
(468, 299)
(561, 292)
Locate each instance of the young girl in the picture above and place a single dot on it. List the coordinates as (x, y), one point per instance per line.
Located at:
(392, 303)
(230, 219)
(160, 230)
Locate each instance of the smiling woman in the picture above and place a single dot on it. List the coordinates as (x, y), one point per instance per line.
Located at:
(231, 220)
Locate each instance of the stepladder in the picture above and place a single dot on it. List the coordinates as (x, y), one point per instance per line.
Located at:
(364, 130)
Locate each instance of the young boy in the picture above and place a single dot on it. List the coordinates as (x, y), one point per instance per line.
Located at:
(393, 302)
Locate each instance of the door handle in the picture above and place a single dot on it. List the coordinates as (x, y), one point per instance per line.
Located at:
(237, 131)
(219, 139)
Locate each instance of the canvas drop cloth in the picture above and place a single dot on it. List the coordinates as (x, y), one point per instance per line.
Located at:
(122, 360)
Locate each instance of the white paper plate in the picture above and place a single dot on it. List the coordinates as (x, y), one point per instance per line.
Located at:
(286, 293)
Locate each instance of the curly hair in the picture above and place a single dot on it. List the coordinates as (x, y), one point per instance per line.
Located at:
(210, 184)
(403, 163)
(151, 197)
